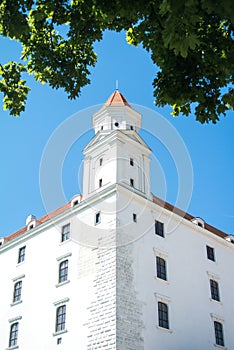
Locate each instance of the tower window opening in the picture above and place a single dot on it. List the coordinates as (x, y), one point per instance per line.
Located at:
(102, 127)
(100, 161)
(134, 217)
(97, 218)
(131, 127)
(117, 124)
(131, 162)
(100, 182)
(131, 182)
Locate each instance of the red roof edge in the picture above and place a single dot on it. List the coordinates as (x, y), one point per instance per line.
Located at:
(156, 200)
(187, 216)
(39, 221)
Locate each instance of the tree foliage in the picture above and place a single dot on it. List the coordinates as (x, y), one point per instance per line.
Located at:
(190, 41)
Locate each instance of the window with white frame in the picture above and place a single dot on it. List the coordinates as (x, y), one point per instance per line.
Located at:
(13, 337)
(214, 290)
(21, 254)
(60, 318)
(65, 233)
(161, 268)
(63, 271)
(219, 337)
(159, 228)
(163, 315)
(17, 291)
(210, 253)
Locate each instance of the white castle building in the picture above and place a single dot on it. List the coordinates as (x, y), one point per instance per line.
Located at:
(117, 268)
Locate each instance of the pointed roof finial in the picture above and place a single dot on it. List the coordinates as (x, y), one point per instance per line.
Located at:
(116, 85)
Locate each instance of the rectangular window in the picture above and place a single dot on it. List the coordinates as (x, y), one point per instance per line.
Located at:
(131, 161)
(60, 318)
(134, 217)
(13, 334)
(210, 253)
(214, 289)
(100, 182)
(97, 218)
(131, 182)
(161, 268)
(65, 235)
(21, 256)
(159, 228)
(163, 319)
(17, 291)
(100, 161)
(219, 338)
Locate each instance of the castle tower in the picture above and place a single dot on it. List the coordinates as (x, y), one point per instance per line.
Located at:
(103, 272)
(116, 154)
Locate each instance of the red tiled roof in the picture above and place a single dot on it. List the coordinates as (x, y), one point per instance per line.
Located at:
(39, 221)
(117, 99)
(187, 216)
(156, 200)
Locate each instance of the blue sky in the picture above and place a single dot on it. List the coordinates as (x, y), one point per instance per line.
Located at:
(23, 140)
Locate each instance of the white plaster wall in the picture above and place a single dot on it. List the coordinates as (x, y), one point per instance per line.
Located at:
(187, 288)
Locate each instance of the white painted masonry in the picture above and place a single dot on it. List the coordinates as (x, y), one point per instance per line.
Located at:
(112, 288)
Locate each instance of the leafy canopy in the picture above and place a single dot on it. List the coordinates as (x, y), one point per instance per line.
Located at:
(190, 41)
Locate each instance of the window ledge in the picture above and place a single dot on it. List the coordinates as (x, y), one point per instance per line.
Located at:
(220, 347)
(216, 302)
(161, 280)
(18, 264)
(164, 329)
(13, 347)
(66, 241)
(60, 332)
(16, 303)
(62, 283)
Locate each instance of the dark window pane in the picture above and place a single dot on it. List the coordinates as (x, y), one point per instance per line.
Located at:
(65, 232)
(98, 218)
(63, 271)
(13, 334)
(131, 162)
(21, 255)
(219, 339)
(159, 228)
(214, 288)
(17, 291)
(161, 268)
(210, 253)
(163, 315)
(131, 182)
(61, 318)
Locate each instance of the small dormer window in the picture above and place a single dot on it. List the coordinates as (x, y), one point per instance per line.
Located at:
(31, 226)
(131, 162)
(131, 182)
(100, 182)
(75, 200)
(199, 222)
